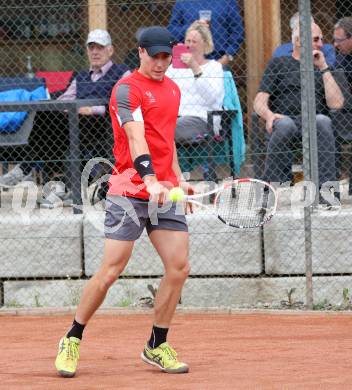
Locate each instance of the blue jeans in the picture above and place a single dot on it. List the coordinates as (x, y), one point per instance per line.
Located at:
(287, 132)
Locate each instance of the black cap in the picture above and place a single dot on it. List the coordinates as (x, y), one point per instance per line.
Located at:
(156, 40)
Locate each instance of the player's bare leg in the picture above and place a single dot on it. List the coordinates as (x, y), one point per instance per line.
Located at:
(116, 256)
(173, 248)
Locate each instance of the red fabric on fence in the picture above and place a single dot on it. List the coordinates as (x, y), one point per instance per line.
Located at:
(56, 81)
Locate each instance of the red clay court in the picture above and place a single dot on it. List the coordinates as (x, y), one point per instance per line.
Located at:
(240, 350)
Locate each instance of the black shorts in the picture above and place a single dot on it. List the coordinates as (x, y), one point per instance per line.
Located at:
(126, 217)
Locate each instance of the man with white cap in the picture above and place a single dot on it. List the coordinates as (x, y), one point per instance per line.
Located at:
(94, 83)
(98, 81)
(95, 127)
(144, 108)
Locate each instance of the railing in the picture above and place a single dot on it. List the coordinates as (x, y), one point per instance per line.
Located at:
(71, 107)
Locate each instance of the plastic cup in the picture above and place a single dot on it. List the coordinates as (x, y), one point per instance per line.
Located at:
(205, 14)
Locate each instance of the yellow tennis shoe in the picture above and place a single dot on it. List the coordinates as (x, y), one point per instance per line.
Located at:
(165, 358)
(67, 357)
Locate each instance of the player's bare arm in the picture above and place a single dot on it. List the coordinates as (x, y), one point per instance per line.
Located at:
(261, 107)
(138, 148)
(333, 94)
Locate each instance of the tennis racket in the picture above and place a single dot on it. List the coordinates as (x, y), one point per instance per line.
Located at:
(241, 203)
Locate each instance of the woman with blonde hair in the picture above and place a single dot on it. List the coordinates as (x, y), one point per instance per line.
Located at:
(201, 82)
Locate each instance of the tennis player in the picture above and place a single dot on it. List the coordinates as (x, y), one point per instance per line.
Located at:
(144, 108)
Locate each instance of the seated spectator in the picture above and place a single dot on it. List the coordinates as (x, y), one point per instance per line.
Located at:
(201, 85)
(343, 44)
(225, 24)
(95, 83)
(278, 102)
(51, 138)
(285, 50)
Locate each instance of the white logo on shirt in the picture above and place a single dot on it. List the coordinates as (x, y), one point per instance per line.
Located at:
(145, 163)
(151, 97)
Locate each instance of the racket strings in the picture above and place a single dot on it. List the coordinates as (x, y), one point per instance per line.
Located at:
(245, 204)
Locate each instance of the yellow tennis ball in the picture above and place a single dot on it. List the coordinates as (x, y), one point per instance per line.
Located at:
(176, 194)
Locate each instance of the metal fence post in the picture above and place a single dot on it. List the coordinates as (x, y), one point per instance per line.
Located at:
(309, 134)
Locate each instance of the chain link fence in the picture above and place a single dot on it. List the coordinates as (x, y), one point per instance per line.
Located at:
(49, 248)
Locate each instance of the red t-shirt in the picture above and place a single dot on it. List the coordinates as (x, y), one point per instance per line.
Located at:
(156, 103)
